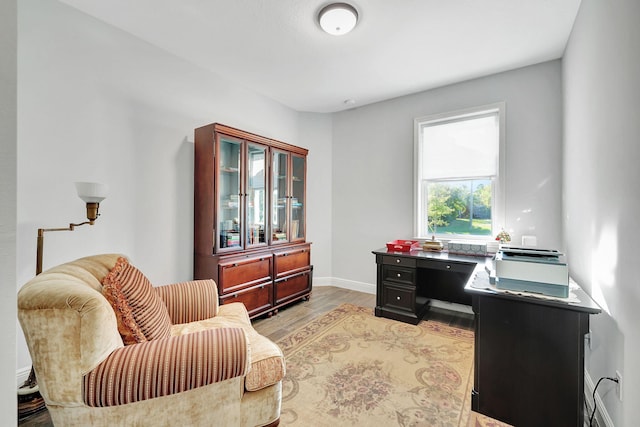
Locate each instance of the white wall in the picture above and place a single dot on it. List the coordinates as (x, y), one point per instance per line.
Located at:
(315, 132)
(98, 104)
(373, 163)
(8, 200)
(601, 70)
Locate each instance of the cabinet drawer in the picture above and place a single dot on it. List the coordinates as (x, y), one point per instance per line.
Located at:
(399, 297)
(292, 260)
(256, 299)
(290, 287)
(399, 261)
(398, 274)
(238, 273)
(455, 266)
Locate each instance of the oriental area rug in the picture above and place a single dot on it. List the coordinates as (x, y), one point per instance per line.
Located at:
(350, 368)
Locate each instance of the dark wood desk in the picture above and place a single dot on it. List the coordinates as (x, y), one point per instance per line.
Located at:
(529, 356)
(408, 281)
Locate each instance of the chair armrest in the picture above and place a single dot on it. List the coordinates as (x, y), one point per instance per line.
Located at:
(167, 366)
(190, 301)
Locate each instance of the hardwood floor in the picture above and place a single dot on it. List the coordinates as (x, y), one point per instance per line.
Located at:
(287, 320)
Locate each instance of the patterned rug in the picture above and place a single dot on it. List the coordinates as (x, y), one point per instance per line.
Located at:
(350, 368)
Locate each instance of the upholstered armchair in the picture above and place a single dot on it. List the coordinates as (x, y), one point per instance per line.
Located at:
(110, 349)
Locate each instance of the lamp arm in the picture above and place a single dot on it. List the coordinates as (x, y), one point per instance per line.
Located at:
(40, 243)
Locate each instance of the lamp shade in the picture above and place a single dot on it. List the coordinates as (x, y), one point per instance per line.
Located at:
(91, 192)
(338, 18)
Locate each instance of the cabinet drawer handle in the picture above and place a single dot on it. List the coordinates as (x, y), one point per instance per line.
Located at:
(448, 266)
(398, 298)
(235, 295)
(399, 275)
(398, 261)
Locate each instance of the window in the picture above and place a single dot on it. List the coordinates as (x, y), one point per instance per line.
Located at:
(459, 173)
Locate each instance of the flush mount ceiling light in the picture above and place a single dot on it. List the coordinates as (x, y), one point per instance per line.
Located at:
(338, 19)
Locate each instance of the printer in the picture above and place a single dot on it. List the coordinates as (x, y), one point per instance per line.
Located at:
(542, 271)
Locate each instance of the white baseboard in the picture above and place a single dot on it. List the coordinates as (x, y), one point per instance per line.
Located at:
(345, 284)
(22, 375)
(601, 416)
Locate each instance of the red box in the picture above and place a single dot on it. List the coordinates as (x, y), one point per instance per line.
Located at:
(403, 245)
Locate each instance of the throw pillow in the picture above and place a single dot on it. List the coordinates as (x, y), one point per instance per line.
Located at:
(141, 314)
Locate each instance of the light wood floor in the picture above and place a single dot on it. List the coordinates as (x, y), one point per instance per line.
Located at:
(287, 320)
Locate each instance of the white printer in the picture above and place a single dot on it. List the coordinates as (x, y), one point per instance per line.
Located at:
(542, 271)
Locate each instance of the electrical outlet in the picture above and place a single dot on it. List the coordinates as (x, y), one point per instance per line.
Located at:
(619, 385)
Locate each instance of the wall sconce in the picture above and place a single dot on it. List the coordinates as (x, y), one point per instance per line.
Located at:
(29, 399)
(338, 19)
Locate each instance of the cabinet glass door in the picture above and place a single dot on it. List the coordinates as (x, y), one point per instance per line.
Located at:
(297, 197)
(229, 191)
(256, 192)
(279, 232)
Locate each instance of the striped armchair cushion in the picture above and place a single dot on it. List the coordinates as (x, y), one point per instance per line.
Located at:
(190, 301)
(141, 314)
(167, 366)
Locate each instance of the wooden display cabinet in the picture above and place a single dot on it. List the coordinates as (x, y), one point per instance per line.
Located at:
(250, 218)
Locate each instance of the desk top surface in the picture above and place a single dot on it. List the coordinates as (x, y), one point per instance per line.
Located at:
(437, 255)
(479, 284)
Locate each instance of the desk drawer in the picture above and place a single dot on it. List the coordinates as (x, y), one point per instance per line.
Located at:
(399, 297)
(445, 265)
(405, 276)
(399, 261)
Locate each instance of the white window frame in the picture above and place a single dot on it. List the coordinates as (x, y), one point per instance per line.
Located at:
(498, 202)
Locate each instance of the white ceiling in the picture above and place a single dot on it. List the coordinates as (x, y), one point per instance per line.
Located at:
(277, 48)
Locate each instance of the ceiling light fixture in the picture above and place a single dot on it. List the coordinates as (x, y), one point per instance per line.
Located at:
(338, 19)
